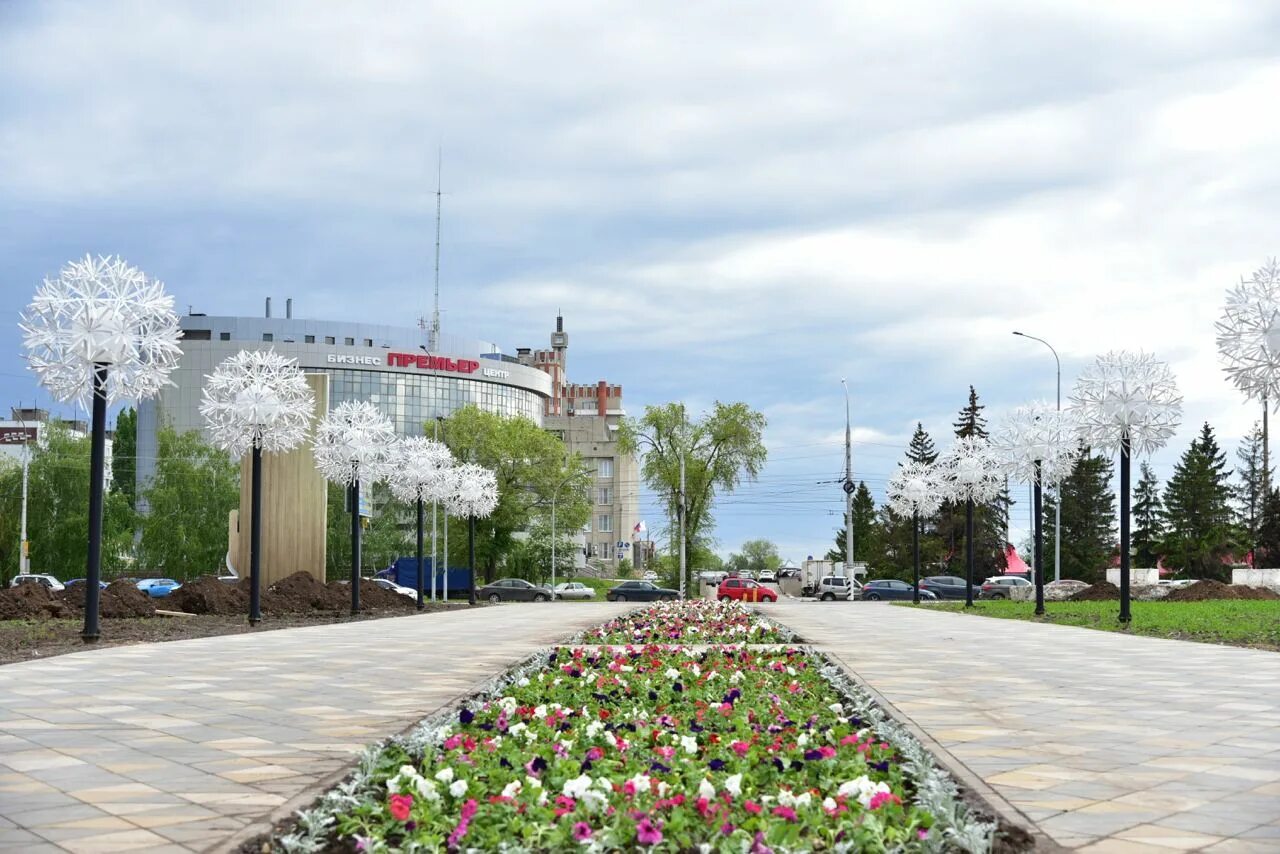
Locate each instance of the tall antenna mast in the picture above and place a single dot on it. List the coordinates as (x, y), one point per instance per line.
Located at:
(433, 340)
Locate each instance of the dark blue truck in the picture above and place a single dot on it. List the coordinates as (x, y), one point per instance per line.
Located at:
(405, 572)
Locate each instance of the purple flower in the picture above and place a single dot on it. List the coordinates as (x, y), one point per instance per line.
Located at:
(465, 716)
(715, 764)
(758, 846)
(502, 760)
(726, 828)
(881, 766)
(659, 768)
(647, 833)
(582, 831)
(653, 696)
(812, 755)
(779, 764)
(678, 688)
(536, 766)
(696, 727)
(585, 766)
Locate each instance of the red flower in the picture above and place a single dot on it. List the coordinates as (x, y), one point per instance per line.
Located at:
(752, 807)
(399, 807)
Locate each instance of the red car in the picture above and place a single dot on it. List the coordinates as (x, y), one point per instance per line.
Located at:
(744, 590)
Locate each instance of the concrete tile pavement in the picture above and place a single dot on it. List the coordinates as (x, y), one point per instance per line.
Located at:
(1107, 742)
(179, 746)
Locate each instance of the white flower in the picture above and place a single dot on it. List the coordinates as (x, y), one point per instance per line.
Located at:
(697, 671)
(641, 782)
(593, 729)
(791, 671)
(803, 799)
(566, 744)
(863, 789)
(524, 681)
(734, 785)
(594, 800)
(576, 787)
(663, 788)
(512, 789)
(736, 677)
(540, 712)
(458, 788)
(533, 782)
(689, 743)
(785, 798)
(706, 790)
(838, 708)
(829, 803)
(672, 673)
(603, 784)
(611, 738)
(542, 797)
(516, 729)
(444, 775)
(508, 705)
(803, 739)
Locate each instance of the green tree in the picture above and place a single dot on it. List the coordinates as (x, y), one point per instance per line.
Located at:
(971, 421)
(1267, 553)
(58, 511)
(124, 455)
(1088, 519)
(866, 530)
(195, 486)
(390, 533)
(1197, 510)
(991, 518)
(1148, 527)
(719, 449)
(1251, 492)
(921, 449)
(531, 466)
(756, 556)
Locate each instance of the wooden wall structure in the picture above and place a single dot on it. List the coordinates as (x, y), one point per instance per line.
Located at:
(294, 507)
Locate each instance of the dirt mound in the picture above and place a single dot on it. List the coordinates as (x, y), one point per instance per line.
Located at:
(298, 594)
(1103, 591)
(373, 596)
(208, 595)
(123, 599)
(1204, 590)
(32, 601)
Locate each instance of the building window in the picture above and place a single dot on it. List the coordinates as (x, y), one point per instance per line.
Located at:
(604, 467)
(329, 339)
(350, 342)
(586, 529)
(606, 524)
(604, 496)
(224, 336)
(267, 336)
(368, 342)
(309, 339)
(195, 334)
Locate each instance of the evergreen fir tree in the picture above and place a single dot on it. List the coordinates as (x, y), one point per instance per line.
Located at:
(921, 449)
(990, 520)
(866, 533)
(1148, 528)
(1197, 511)
(1251, 492)
(971, 421)
(1267, 551)
(1088, 519)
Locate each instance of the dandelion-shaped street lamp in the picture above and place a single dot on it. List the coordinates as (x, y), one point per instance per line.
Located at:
(970, 472)
(1249, 343)
(1127, 401)
(99, 333)
(257, 401)
(1038, 445)
(418, 472)
(352, 444)
(914, 491)
(473, 493)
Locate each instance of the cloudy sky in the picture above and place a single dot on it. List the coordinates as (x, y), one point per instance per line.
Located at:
(736, 201)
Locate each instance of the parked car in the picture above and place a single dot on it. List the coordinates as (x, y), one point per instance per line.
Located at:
(650, 575)
(832, 587)
(388, 584)
(892, 588)
(744, 590)
(157, 588)
(515, 590)
(1001, 586)
(574, 590)
(74, 582)
(948, 586)
(640, 591)
(768, 577)
(48, 581)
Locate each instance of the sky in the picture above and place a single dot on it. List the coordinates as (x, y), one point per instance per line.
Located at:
(727, 201)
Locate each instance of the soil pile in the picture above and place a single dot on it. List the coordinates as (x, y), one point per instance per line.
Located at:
(208, 595)
(1202, 591)
(373, 596)
(123, 599)
(1103, 591)
(32, 601)
(298, 594)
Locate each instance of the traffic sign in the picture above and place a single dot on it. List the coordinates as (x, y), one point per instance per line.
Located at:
(848, 487)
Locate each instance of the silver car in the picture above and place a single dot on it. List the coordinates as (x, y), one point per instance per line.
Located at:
(574, 590)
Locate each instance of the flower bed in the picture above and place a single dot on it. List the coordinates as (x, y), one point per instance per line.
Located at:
(696, 621)
(604, 748)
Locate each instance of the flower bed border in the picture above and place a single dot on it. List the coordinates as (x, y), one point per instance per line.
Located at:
(960, 825)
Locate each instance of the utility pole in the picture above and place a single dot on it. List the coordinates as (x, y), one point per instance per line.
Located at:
(433, 339)
(683, 507)
(848, 485)
(435, 434)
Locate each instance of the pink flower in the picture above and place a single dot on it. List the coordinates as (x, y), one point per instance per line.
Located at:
(595, 753)
(827, 751)
(879, 799)
(785, 812)
(921, 833)
(452, 741)
(740, 748)
(582, 831)
(852, 738)
(665, 752)
(399, 807)
(647, 833)
(464, 821)
(629, 789)
(726, 828)
(751, 807)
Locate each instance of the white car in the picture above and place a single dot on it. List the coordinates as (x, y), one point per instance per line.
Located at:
(388, 584)
(834, 587)
(650, 576)
(48, 581)
(574, 590)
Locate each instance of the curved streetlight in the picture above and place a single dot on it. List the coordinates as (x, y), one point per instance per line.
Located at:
(352, 444)
(257, 401)
(1057, 506)
(970, 472)
(848, 484)
(1030, 441)
(101, 332)
(1126, 401)
(417, 473)
(914, 491)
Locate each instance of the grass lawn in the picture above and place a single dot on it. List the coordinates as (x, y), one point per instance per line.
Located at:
(599, 585)
(1244, 623)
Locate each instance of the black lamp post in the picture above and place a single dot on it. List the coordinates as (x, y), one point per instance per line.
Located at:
(355, 546)
(97, 466)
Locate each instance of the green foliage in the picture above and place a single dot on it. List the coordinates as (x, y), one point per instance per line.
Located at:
(530, 557)
(868, 536)
(990, 519)
(756, 556)
(1252, 490)
(124, 455)
(531, 466)
(920, 449)
(625, 569)
(1197, 511)
(1267, 551)
(58, 511)
(390, 533)
(1148, 527)
(1088, 520)
(1234, 621)
(971, 421)
(718, 449)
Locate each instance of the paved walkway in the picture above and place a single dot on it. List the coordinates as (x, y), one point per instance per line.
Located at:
(179, 746)
(1107, 742)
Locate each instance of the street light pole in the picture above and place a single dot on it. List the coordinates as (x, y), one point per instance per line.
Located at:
(682, 507)
(848, 484)
(1057, 504)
